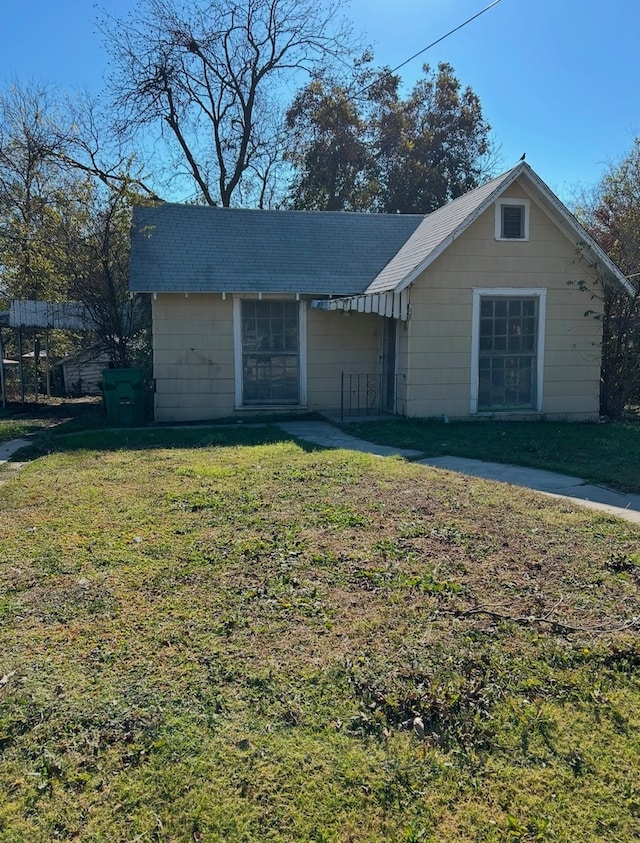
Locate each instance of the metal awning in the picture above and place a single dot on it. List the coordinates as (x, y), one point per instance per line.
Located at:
(392, 305)
(70, 316)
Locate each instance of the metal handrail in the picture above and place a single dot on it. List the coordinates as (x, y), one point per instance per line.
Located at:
(360, 394)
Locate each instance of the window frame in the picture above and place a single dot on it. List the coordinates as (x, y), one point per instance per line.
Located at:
(508, 293)
(239, 355)
(525, 204)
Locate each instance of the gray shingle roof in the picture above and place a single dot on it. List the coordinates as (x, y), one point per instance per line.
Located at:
(190, 249)
(185, 248)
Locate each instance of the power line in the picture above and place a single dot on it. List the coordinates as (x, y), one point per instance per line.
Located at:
(429, 46)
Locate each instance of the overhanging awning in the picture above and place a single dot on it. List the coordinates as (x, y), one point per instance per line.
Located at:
(70, 316)
(392, 305)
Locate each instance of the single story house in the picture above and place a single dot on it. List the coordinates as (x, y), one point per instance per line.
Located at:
(475, 310)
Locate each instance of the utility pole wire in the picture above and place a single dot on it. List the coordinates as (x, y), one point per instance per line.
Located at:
(429, 46)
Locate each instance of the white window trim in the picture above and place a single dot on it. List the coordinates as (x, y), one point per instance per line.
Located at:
(237, 353)
(527, 207)
(507, 292)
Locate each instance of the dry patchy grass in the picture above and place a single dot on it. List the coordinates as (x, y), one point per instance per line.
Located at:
(258, 643)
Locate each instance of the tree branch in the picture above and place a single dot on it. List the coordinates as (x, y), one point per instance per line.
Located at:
(533, 620)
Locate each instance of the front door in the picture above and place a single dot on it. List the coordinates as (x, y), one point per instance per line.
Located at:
(389, 366)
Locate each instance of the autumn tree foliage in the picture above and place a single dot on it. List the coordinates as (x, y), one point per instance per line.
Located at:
(359, 145)
(612, 216)
(35, 195)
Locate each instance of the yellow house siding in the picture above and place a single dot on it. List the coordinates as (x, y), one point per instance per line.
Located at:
(196, 351)
(193, 357)
(339, 342)
(439, 332)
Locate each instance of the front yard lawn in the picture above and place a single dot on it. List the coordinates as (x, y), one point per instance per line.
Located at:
(216, 635)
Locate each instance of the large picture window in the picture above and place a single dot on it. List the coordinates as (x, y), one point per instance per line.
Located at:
(270, 340)
(508, 346)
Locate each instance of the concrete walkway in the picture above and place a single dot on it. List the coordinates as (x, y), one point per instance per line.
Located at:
(564, 486)
(556, 485)
(8, 449)
(328, 436)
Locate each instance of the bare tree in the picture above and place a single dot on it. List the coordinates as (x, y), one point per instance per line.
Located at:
(87, 145)
(98, 256)
(208, 76)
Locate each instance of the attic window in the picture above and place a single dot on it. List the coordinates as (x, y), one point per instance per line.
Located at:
(512, 219)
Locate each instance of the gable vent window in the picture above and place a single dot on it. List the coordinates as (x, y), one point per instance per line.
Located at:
(512, 220)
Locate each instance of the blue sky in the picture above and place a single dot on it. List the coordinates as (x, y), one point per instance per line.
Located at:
(558, 79)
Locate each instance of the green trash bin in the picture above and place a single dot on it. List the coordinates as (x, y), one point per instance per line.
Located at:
(124, 396)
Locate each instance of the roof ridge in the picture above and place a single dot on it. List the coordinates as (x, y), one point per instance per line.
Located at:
(274, 211)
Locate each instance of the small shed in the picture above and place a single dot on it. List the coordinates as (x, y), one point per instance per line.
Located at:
(82, 373)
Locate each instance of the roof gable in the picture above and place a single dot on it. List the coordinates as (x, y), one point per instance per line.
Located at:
(576, 232)
(435, 233)
(439, 229)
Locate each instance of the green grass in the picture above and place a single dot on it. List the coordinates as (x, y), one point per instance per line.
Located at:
(219, 636)
(608, 454)
(18, 420)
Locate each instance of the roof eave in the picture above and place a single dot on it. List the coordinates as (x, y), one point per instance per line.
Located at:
(191, 291)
